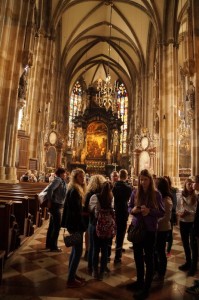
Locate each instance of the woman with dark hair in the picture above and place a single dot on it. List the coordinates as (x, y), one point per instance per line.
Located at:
(146, 206)
(186, 211)
(164, 225)
(173, 220)
(73, 220)
(103, 200)
(56, 194)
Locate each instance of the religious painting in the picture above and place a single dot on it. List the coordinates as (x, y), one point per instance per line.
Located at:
(96, 140)
(51, 158)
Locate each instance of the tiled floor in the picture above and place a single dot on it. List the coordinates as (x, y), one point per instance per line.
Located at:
(32, 273)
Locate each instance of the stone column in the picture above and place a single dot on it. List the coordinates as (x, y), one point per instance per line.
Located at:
(168, 112)
(13, 29)
(195, 129)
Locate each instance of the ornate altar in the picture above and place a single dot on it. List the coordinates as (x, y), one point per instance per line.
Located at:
(96, 142)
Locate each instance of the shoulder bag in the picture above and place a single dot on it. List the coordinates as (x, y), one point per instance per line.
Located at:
(136, 233)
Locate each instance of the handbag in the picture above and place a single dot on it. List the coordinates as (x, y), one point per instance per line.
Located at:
(72, 239)
(136, 233)
(43, 200)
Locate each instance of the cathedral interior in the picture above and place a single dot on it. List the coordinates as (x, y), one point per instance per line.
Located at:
(100, 85)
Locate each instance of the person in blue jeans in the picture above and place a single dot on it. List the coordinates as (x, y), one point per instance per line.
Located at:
(73, 220)
(56, 194)
(94, 186)
(194, 289)
(103, 200)
(146, 206)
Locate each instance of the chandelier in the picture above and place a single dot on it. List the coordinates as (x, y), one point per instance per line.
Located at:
(106, 91)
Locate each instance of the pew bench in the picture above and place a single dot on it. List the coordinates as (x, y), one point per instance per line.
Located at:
(2, 256)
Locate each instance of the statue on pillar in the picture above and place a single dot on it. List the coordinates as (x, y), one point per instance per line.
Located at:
(22, 86)
(83, 156)
(108, 157)
(191, 94)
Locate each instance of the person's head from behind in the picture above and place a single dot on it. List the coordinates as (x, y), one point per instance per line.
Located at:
(95, 183)
(114, 176)
(78, 177)
(123, 175)
(163, 186)
(106, 194)
(60, 172)
(169, 180)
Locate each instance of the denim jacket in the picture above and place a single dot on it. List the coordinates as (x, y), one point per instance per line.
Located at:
(56, 191)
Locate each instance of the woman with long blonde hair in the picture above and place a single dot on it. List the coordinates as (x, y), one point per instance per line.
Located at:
(73, 220)
(146, 206)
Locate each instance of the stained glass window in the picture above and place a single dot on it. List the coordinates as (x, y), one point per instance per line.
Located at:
(74, 108)
(122, 104)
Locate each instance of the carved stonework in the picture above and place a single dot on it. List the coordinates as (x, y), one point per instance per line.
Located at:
(27, 59)
(189, 67)
(22, 86)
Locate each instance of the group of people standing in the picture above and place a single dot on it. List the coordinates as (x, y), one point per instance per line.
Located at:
(152, 202)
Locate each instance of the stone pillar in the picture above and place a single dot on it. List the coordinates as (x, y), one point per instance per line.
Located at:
(13, 29)
(168, 112)
(195, 128)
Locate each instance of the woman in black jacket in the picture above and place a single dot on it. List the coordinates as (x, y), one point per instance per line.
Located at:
(73, 220)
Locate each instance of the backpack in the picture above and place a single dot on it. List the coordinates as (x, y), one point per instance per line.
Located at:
(106, 225)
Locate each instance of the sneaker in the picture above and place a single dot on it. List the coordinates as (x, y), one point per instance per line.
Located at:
(141, 295)
(75, 284)
(81, 279)
(95, 275)
(107, 270)
(56, 250)
(101, 276)
(158, 278)
(117, 261)
(194, 290)
(184, 267)
(135, 286)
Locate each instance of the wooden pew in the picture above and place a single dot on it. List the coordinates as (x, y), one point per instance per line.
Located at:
(2, 256)
(7, 226)
(17, 203)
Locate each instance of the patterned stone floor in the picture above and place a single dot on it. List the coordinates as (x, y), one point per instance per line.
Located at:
(33, 273)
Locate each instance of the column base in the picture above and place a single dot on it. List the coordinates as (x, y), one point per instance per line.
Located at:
(9, 181)
(2, 173)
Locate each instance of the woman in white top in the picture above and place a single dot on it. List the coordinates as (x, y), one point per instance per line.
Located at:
(164, 225)
(186, 211)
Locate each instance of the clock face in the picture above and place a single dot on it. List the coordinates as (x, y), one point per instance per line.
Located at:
(144, 142)
(52, 137)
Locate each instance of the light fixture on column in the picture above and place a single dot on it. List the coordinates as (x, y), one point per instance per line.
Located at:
(106, 96)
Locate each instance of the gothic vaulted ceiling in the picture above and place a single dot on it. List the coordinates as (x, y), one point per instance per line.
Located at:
(101, 36)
